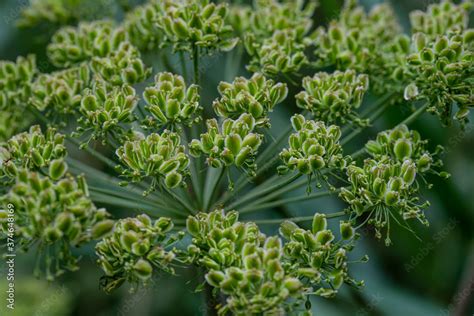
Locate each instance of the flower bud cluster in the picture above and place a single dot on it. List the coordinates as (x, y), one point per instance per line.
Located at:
(238, 17)
(401, 144)
(159, 156)
(135, 249)
(269, 16)
(334, 98)
(51, 11)
(140, 25)
(55, 216)
(72, 45)
(189, 25)
(61, 91)
(123, 65)
(441, 18)
(105, 108)
(218, 239)
(313, 147)
(315, 256)
(384, 190)
(12, 122)
(369, 43)
(15, 81)
(31, 150)
(281, 53)
(256, 96)
(235, 144)
(171, 103)
(441, 73)
(259, 284)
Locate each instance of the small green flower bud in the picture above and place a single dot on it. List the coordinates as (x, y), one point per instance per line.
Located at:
(52, 234)
(319, 223)
(102, 228)
(347, 231)
(143, 269)
(402, 149)
(293, 285)
(297, 121)
(215, 278)
(57, 169)
(173, 179)
(391, 198)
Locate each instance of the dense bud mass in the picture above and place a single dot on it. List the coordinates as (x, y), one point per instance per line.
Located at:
(73, 45)
(441, 73)
(31, 150)
(196, 25)
(105, 108)
(60, 92)
(234, 143)
(160, 157)
(54, 217)
(317, 257)
(171, 103)
(218, 238)
(334, 98)
(172, 141)
(312, 148)
(370, 43)
(135, 250)
(256, 96)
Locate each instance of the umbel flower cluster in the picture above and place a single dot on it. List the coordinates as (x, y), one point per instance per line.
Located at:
(130, 94)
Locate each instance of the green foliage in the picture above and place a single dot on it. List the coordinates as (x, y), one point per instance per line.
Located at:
(53, 216)
(256, 96)
(234, 143)
(135, 250)
(160, 157)
(334, 98)
(171, 103)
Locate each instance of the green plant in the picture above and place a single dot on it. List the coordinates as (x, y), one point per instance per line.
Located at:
(199, 170)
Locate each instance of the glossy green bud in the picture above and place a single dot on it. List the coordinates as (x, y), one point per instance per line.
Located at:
(57, 169)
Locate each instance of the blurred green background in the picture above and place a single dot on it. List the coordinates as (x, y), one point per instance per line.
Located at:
(434, 276)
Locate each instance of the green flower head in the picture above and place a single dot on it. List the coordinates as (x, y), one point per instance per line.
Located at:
(234, 143)
(256, 96)
(54, 216)
(32, 150)
(171, 103)
(158, 156)
(334, 98)
(137, 248)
